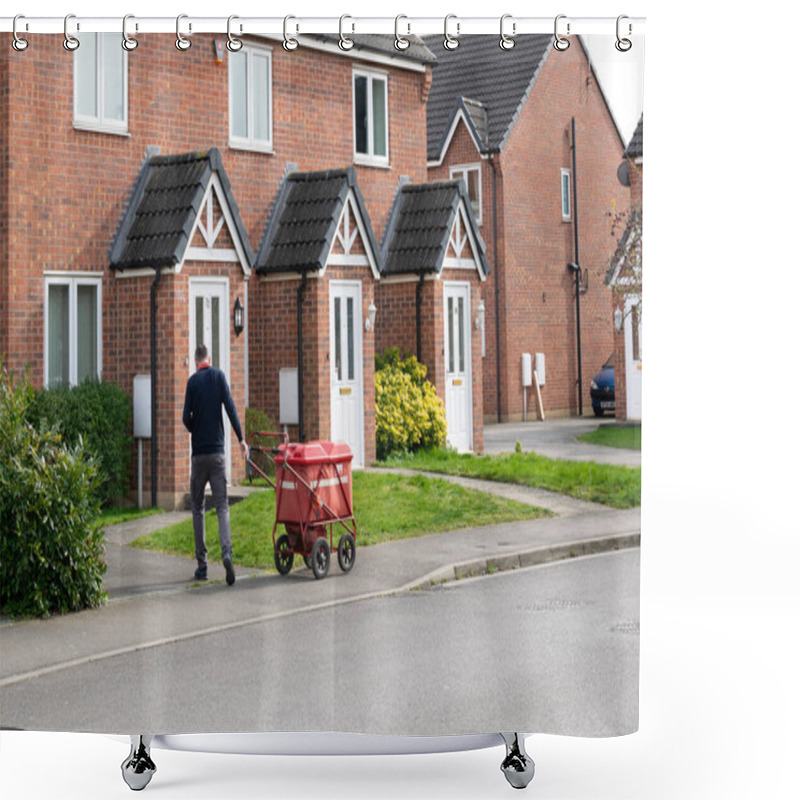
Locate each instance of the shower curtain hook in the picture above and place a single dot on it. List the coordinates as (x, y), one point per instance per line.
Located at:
(344, 42)
(451, 42)
(560, 43)
(19, 44)
(128, 42)
(70, 42)
(181, 42)
(233, 45)
(400, 42)
(289, 42)
(506, 41)
(623, 45)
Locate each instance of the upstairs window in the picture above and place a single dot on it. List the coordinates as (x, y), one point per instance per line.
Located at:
(471, 175)
(250, 99)
(566, 197)
(101, 84)
(370, 117)
(72, 330)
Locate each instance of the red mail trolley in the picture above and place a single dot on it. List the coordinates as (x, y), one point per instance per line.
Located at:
(313, 496)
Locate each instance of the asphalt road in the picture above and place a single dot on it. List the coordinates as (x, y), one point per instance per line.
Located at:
(563, 658)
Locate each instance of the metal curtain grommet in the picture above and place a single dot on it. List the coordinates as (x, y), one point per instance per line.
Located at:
(560, 43)
(344, 42)
(233, 45)
(181, 42)
(70, 42)
(451, 42)
(400, 42)
(128, 42)
(19, 44)
(506, 41)
(623, 45)
(289, 42)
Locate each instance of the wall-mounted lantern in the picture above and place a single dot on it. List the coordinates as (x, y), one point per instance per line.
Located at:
(617, 319)
(480, 318)
(238, 317)
(369, 322)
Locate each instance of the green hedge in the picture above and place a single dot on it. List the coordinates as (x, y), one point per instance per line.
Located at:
(409, 415)
(97, 413)
(51, 547)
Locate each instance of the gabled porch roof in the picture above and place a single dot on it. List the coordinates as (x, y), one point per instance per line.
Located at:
(169, 193)
(302, 226)
(420, 227)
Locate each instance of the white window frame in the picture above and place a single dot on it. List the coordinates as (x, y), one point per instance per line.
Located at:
(73, 281)
(568, 216)
(465, 169)
(250, 142)
(369, 158)
(99, 123)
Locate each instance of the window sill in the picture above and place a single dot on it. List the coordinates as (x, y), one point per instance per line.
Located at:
(99, 127)
(365, 161)
(265, 149)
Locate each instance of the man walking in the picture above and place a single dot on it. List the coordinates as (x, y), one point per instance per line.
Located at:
(206, 393)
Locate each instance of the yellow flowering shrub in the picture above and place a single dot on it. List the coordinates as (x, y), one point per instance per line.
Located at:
(408, 413)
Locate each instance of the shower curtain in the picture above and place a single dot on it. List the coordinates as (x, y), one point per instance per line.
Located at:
(353, 226)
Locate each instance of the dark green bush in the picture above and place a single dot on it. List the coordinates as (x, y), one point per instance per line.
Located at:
(99, 413)
(51, 547)
(409, 415)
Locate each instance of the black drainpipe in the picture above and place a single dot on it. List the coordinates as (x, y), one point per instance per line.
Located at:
(496, 277)
(577, 268)
(153, 417)
(300, 290)
(419, 316)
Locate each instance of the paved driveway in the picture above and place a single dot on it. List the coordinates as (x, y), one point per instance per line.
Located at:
(556, 439)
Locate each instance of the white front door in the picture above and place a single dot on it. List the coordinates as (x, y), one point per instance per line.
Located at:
(209, 325)
(347, 385)
(458, 366)
(633, 356)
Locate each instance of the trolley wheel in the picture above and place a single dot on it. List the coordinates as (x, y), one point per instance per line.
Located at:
(347, 552)
(307, 559)
(320, 557)
(284, 557)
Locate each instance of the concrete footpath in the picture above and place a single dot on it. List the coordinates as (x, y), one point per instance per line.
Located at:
(154, 600)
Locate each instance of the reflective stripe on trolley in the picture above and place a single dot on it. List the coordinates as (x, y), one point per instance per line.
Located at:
(316, 484)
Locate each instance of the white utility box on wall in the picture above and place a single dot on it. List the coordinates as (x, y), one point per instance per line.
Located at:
(538, 368)
(289, 411)
(527, 378)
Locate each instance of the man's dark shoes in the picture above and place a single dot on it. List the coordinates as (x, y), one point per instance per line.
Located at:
(230, 575)
(201, 574)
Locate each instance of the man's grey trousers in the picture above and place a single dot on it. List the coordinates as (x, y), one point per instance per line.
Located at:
(210, 469)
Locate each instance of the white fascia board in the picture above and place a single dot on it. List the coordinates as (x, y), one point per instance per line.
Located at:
(366, 56)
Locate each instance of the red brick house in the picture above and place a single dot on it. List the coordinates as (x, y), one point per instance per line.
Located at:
(131, 177)
(531, 135)
(625, 278)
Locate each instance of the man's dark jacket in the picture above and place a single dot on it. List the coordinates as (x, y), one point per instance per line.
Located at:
(206, 393)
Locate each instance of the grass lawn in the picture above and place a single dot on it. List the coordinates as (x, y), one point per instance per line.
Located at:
(386, 507)
(628, 437)
(619, 487)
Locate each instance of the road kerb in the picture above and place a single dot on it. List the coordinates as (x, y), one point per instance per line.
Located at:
(529, 558)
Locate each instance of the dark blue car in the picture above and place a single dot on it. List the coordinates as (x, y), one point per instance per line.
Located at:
(602, 389)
